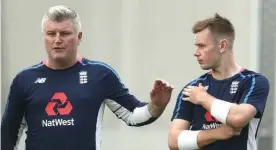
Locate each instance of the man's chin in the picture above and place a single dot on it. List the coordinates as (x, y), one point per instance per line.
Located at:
(59, 57)
(204, 67)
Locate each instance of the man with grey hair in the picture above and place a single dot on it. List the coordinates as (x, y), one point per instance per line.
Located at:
(62, 98)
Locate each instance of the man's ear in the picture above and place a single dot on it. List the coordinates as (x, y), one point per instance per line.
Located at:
(79, 37)
(223, 45)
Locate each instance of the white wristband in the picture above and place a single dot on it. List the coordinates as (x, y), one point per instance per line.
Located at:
(220, 110)
(187, 140)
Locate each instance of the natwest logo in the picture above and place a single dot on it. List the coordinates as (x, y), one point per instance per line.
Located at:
(209, 117)
(57, 122)
(59, 105)
(211, 122)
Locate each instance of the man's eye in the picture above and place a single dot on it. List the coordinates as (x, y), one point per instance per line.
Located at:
(65, 33)
(51, 33)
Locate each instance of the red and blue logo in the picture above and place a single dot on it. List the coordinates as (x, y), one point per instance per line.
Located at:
(59, 105)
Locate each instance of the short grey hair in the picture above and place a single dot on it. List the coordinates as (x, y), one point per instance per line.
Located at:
(62, 13)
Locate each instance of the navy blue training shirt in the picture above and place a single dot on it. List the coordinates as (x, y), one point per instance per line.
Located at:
(63, 109)
(245, 87)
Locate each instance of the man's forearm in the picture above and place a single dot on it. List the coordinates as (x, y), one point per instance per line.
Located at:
(206, 137)
(234, 115)
(207, 103)
(220, 111)
(154, 110)
(187, 139)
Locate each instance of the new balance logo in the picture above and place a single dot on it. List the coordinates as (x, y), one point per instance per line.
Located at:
(40, 80)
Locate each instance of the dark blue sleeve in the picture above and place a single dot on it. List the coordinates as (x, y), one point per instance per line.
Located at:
(255, 92)
(183, 109)
(119, 93)
(13, 115)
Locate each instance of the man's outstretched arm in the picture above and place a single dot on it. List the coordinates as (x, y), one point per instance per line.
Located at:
(131, 110)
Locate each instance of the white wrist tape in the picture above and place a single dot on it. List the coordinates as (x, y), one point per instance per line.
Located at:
(220, 110)
(187, 140)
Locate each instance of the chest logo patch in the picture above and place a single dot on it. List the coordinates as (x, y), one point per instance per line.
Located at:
(59, 104)
(83, 77)
(234, 87)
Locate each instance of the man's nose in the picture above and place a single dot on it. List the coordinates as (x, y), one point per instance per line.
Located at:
(196, 54)
(58, 39)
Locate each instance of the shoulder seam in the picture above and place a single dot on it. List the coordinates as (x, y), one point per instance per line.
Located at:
(32, 67)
